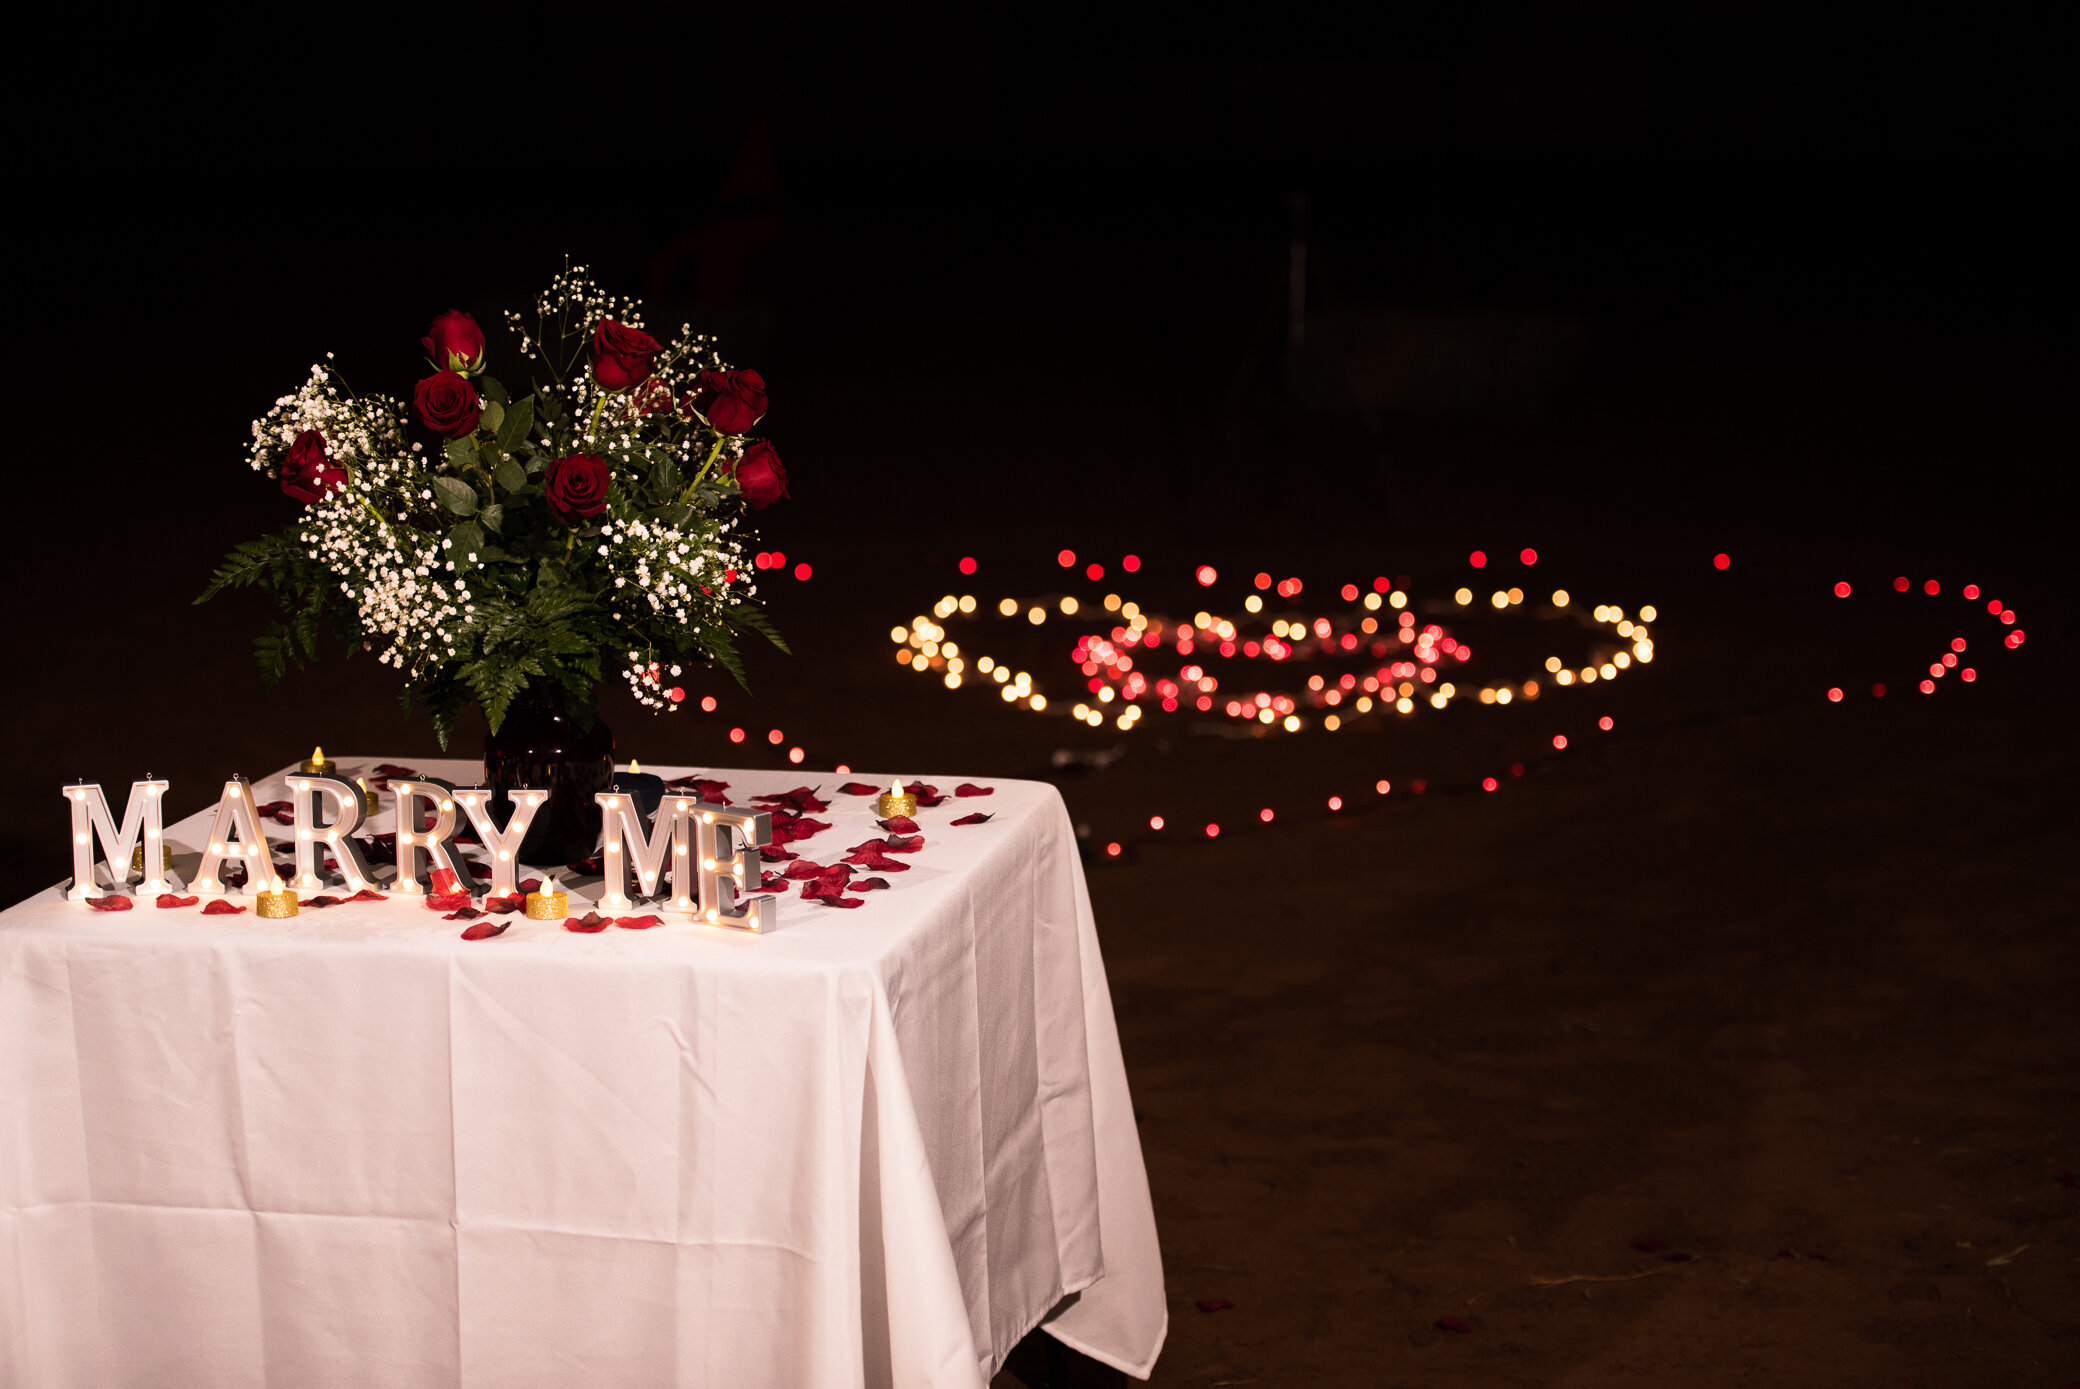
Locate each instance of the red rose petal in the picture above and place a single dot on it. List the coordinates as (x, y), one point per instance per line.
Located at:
(168, 899)
(898, 844)
(804, 868)
(511, 902)
(900, 824)
(444, 882)
(217, 906)
(774, 853)
(978, 818)
(802, 800)
(772, 882)
(391, 769)
(1453, 1324)
(463, 914)
(1213, 1304)
(638, 923)
(969, 788)
(587, 924)
(880, 863)
(585, 867)
(926, 793)
(323, 901)
(109, 904)
(446, 901)
(485, 930)
(281, 812)
(526, 885)
(368, 894)
(867, 884)
(859, 788)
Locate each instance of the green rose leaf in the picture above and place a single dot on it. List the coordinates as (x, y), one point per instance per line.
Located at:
(494, 518)
(456, 495)
(493, 414)
(510, 475)
(494, 392)
(469, 540)
(514, 425)
(462, 453)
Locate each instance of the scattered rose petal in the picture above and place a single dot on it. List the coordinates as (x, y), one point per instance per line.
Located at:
(638, 923)
(802, 800)
(463, 914)
(323, 901)
(876, 860)
(775, 853)
(795, 827)
(977, 818)
(586, 924)
(772, 882)
(168, 899)
(368, 894)
(584, 867)
(485, 930)
(281, 812)
(899, 824)
(443, 881)
(860, 788)
(385, 845)
(511, 902)
(526, 885)
(446, 901)
(898, 844)
(1453, 1324)
(969, 788)
(391, 769)
(1213, 1304)
(927, 794)
(804, 868)
(709, 791)
(217, 906)
(109, 904)
(867, 884)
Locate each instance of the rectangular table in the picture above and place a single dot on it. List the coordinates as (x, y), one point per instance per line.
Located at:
(873, 1146)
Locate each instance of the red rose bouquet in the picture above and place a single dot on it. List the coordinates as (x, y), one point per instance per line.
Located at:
(591, 524)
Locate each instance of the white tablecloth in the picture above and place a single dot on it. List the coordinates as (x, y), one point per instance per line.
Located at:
(873, 1146)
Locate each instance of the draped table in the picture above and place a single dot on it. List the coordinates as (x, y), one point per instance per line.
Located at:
(872, 1146)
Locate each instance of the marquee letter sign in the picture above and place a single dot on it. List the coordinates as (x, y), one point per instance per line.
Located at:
(90, 817)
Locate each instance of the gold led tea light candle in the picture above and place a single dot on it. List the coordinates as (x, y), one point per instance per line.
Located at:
(317, 764)
(276, 903)
(894, 802)
(549, 904)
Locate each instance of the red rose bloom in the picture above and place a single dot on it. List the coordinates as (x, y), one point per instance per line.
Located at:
(447, 404)
(307, 471)
(455, 343)
(621, 355)
(576, 487)
(760, 478)
(736, 399)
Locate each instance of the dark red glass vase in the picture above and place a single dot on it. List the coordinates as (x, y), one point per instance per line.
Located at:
(549, 744)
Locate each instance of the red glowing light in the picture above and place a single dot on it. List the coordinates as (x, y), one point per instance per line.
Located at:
(1350, 593)
(1950, 659)
(1205, 702)
(1834, 694)
(1381, 584)
(779, 560)
(1249, 648)
(675, 694)
(707, 704)
(1132, 564)
(1877, 692)
(1516, 769)
(1931, 588)
(1417, 785)
(1488, 783)
(1206, 575)
(1066, 559)
(1265, 815)
(736, 735)
(1559, 741)
(1478, 559)
(1213, 831)
(1971, 590)
(842, 770)
(775, 737)
(1155, 822)
(2008, 616)
(1112, 849)
(1094, 572)
(1527, 556)
(1263, 581)
(968, 564)
(1383, 786)
(1928, 687)
(1722, 561)
(1901, 584)
(1605, 723)
(1228, 648)
(761, 560)
(794, 754)
(1335, 803)
(803, 571)
(1968, 675)
(1841, 590)
(1993, 605)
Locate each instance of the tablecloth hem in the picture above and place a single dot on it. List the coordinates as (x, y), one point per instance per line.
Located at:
(1141, 1370)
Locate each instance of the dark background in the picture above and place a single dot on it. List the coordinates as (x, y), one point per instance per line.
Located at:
(1632, 287)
